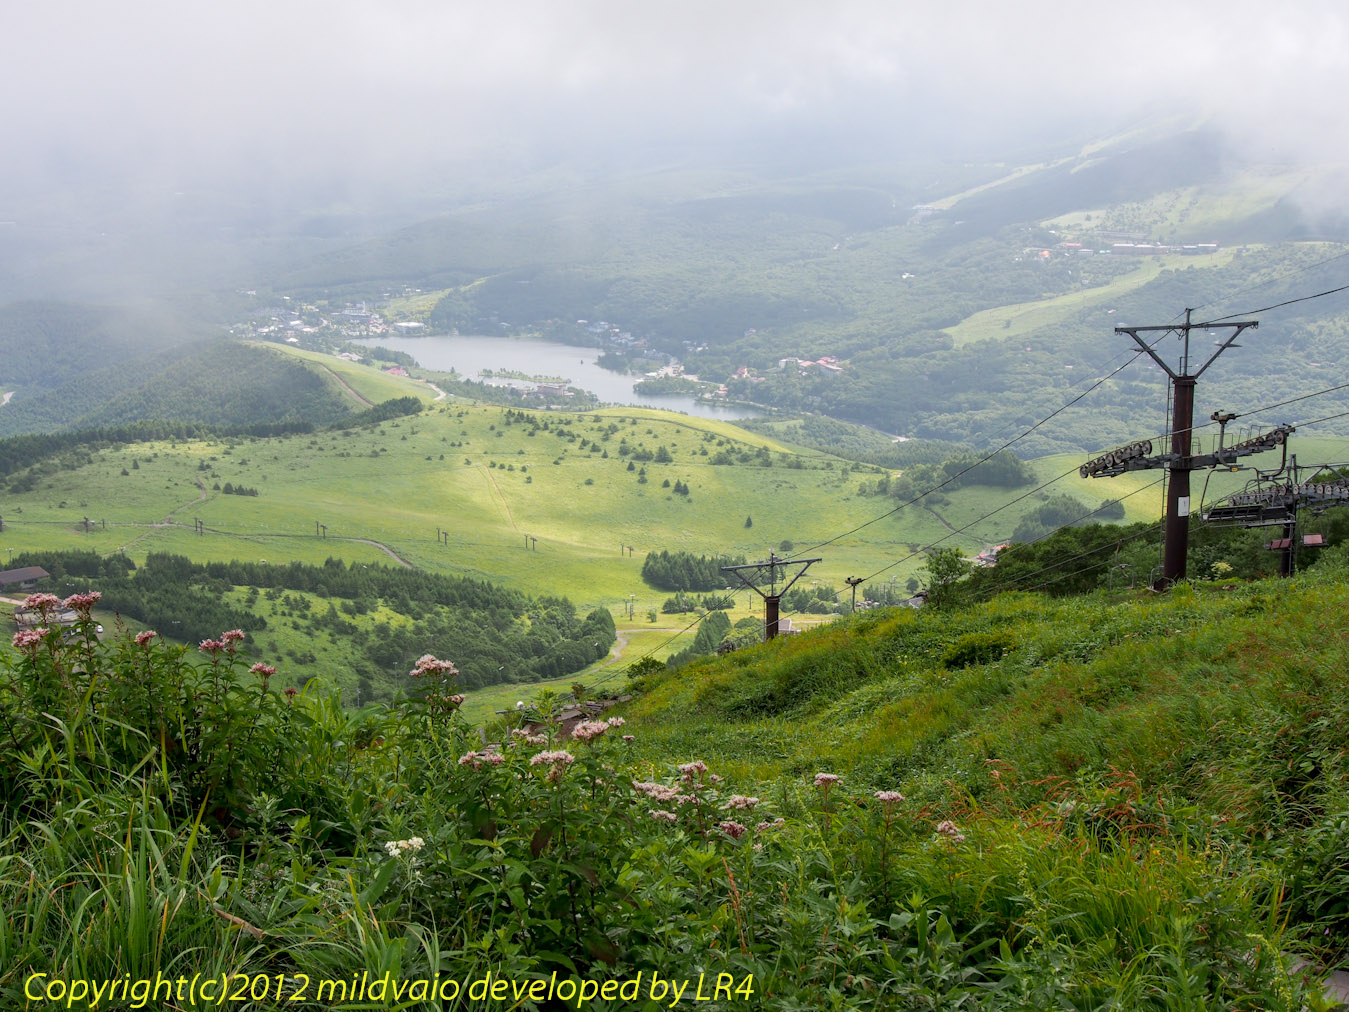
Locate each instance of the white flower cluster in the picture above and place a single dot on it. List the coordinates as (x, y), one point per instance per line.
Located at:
(397, 848)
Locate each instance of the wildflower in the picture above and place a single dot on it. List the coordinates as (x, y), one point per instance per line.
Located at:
(82, 602)
(27, 640)
(656, 813)
(211, 646)
(732, 829)
(888, 798)
(764, 827)
(629, 737)
(265, 670)
(826, 780)
(739, 802)
(494, 758)
(657, 792)
(471, 759)
(697, 766)
(948, 829)
(555, 758)
(143, 638)
(290, 694)
(715, 778)
(615, 721)
(41, 602)
(428, 665)
(536, 739)
(231, 637)
(455, 701)
(588, 729)
(397, 848)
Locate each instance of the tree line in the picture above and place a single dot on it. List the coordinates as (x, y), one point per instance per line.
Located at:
(684, 571)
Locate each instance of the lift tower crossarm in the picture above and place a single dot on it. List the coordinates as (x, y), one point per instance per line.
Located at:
(773, 596)
(1179, 462)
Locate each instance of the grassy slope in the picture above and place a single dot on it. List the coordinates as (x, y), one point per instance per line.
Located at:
(1028, 318)
(371, 385)
(1160, 686)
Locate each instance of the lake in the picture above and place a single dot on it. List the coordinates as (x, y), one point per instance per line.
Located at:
(469, 355)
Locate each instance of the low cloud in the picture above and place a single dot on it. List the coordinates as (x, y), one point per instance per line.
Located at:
(157, 94)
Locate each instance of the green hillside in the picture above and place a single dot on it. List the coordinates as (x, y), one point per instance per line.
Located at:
(1131, 801)
(222, 383)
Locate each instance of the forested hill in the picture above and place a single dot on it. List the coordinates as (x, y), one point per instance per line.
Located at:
(385, 616)
(75, 367)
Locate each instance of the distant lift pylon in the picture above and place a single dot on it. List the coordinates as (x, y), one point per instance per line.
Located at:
(756, 572)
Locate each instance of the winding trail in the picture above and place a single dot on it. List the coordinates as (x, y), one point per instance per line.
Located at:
(168, 520)
(4, 398)
(382, 547)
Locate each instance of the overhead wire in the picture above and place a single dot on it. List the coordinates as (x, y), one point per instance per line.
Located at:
(1277, 305)
(1273, 281)
(981, 460)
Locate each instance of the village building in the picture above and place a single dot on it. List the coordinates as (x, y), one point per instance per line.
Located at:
(22, 580)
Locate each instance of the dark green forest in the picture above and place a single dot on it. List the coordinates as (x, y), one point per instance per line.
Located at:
(684, 571)
(494, 634)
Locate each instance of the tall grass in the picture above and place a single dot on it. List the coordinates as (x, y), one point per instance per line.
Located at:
(172, 815)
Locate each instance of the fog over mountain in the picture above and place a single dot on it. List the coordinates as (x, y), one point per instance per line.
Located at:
(164, 120)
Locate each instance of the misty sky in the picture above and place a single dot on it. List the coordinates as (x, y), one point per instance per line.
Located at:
(167, 93)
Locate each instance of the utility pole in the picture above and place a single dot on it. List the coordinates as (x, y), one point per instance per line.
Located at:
(852, 582)
(1179, 462)
(773, 595)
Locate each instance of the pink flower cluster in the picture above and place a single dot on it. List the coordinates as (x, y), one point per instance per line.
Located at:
(888, 798)
(615, 721)
(733, 829)
(656, 813)
(588, 730)
(41, 602)
(693, 770)
(27, 640)
(557, 760)
(826, 780)
(948, 829)
(764, 827)
(83, 602)
(143, 638)
(554, 758)
(656, 792)
(739, 802)
(477, 759)
(428, 665)
(226, 642)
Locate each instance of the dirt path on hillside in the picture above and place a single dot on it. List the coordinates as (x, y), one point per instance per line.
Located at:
(382, 547)
(4, 398)
(440, 394)
(168, 520)
(343, 384)
(940, 519)
(504, 505)
(616, 654)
